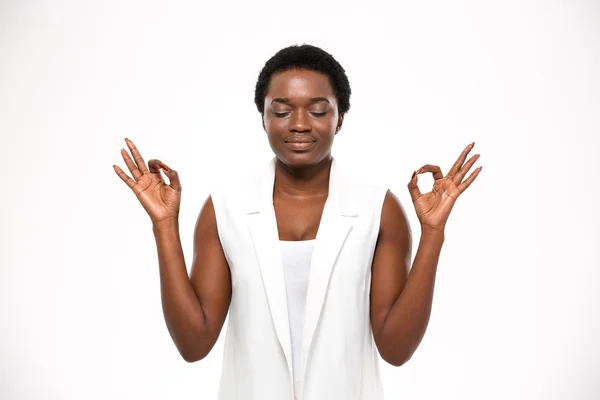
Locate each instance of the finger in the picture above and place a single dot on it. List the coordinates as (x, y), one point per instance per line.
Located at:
(463, 186)
(137, 156)
(154, 166)
(460, 161)
(434, 169)
(131, 165)
(465, 168)
(173, 177)
(124, 177)
(413, 187)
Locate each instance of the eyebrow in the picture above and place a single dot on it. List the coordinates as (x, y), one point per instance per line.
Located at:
(286, 100)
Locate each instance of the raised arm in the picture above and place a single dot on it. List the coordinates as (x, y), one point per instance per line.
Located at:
(402, 296)
(194, 307)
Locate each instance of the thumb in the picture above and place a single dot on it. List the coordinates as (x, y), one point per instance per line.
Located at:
(413, 187)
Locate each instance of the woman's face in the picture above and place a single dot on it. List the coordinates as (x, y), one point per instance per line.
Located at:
(301, 117)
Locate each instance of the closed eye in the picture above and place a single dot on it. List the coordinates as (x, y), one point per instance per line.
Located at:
(315, 114)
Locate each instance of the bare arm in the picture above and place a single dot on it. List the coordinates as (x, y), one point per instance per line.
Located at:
(194, 308)
(401, 300)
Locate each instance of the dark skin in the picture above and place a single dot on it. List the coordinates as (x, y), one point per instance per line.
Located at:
(299, 104)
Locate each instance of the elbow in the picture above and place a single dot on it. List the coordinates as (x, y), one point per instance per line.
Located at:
(192, 354)
(400, 362)
(188, 358)
(396, 361)
(193, 347)
(396, 352)
(192, 357)
(394, 357)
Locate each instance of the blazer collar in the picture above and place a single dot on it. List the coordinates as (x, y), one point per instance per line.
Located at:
(336, 222)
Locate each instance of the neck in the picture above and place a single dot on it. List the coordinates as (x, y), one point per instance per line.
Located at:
(303, 182)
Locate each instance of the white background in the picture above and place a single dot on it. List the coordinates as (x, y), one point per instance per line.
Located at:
(515, 313)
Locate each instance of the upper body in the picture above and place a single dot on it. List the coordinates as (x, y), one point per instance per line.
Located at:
(360, 295)
(300, 105)
(337, 357)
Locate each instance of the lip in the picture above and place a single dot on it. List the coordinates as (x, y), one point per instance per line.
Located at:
(300, 139)
(300, 145)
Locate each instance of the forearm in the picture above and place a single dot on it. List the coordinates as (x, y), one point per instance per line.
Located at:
(407, 320)
(182, 310)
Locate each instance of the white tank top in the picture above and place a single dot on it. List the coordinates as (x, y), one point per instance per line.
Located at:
(296, 257)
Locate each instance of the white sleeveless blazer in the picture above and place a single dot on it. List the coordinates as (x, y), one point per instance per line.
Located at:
(339, 358)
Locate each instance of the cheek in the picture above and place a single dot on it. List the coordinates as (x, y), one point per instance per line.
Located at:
(273, 124)
(328, 124)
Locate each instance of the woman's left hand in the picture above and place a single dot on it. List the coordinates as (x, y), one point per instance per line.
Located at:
(433, 208)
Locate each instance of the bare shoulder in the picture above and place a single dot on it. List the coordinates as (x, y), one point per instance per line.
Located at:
(394, 223)
(208, 251)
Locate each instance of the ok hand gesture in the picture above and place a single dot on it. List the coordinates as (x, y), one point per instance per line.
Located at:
(161, 201)
(433, 208)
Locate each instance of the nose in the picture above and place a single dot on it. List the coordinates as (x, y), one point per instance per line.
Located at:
(300, 122)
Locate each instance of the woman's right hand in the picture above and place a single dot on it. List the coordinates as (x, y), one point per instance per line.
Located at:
(161, 201)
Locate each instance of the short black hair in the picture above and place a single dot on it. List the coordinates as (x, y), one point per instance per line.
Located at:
(304, 57)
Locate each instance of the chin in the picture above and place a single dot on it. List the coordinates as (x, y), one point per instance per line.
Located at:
(300, 159)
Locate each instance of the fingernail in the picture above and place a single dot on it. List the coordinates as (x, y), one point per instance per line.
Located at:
(163, 166)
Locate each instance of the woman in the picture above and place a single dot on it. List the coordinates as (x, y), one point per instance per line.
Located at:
(311, 262)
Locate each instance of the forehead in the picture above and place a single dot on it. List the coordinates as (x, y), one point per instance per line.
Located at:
(299, 83)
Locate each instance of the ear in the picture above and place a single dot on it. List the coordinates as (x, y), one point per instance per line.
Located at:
(339, 124)
(262, 118)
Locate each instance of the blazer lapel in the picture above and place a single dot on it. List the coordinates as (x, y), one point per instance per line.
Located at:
(336, 222)
(262, 224)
